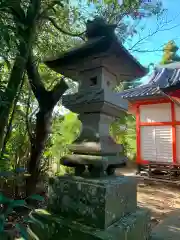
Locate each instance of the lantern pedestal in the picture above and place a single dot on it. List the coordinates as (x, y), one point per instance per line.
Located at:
(95, 209)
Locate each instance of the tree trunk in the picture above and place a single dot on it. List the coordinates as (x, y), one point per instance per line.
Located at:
(43, 124)
(47, 100)
(11, 91)
(19, 68)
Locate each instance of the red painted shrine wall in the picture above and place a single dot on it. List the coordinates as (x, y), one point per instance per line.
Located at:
(135, 108)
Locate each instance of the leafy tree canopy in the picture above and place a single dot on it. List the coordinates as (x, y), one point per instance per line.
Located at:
(170, 53)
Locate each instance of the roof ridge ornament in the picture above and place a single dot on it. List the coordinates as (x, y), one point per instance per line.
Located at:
(98, 27)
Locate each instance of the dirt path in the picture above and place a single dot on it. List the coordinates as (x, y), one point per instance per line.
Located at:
(159, 199)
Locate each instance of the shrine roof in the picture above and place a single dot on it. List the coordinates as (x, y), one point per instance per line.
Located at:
(165, 78)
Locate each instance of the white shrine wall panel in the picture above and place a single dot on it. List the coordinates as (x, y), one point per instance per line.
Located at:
(155, 113)
(163, 140)
(156, 143)
(178, 144)
(177, 112)
(148, 145)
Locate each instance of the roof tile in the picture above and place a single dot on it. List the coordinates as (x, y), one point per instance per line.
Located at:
(161, 78)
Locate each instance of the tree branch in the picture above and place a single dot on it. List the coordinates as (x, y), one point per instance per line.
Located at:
(147, 51)
(160, 28)
(27, 120)
(8, 132)
(46, 99)
(53, 22)
(59, 90)
(35, 79)
(50, 7)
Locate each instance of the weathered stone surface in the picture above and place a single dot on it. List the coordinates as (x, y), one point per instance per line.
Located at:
(93, 159)
(96, 100)
(132, 227)
(96, 148)
(93, 202)
(94, 166)
(98, 28)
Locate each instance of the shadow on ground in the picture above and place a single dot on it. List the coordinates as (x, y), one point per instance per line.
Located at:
(169, 228)
(159, 199)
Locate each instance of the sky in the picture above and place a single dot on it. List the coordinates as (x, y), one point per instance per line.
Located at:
(168, 25)
(165, 29)
(169, 29)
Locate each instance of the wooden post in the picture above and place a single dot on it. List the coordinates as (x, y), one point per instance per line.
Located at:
(173, 132)
(138, 137)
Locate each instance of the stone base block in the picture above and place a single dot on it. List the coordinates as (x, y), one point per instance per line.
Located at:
(93, 202)
(132, 227)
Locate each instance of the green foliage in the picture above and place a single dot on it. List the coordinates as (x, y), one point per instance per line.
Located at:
(127, 16)
(117, 129)
(170, 53)
(8, 205)
(123, 131)
(35, 197)
(50, 39)
(127, 137)
(42, 225)
(64, 131)
(133, 84)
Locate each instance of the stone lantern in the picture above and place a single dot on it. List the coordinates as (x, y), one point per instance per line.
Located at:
(93, 203)
(99, 66)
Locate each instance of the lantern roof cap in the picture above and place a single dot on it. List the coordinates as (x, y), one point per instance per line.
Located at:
(100, 39)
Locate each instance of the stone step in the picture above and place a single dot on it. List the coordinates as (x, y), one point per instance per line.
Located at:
(132, 227)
